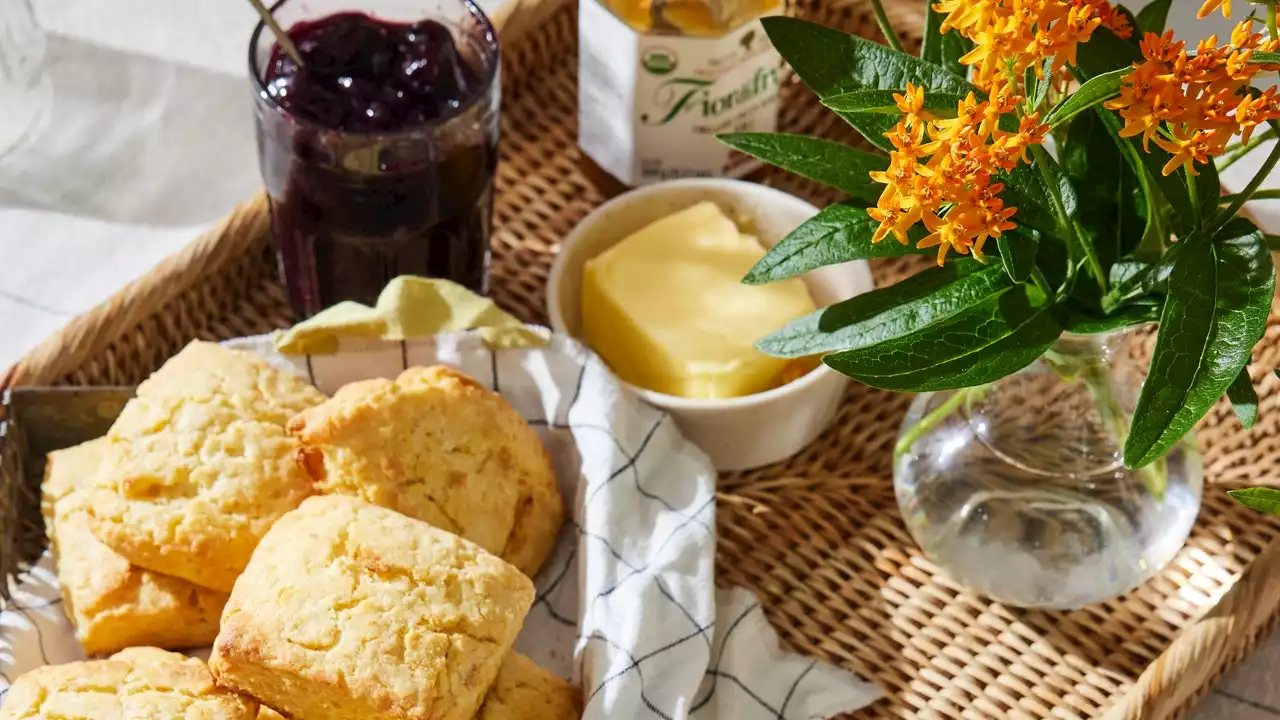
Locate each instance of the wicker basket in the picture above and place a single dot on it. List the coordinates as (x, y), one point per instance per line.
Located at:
(819, 537)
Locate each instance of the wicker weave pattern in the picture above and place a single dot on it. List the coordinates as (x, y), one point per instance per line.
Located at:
(818, 537)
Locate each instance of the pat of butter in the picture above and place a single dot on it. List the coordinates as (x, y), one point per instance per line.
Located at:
(667, 310)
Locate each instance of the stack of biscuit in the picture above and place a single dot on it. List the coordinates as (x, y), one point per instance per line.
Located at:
(363, 556)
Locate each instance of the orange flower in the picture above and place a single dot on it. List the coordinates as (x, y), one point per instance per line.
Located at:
(1255, 110)
(946, 182)
(1012, 35)
(911, 102)
(1210, 5)
(1189, 146)
(1204, 99)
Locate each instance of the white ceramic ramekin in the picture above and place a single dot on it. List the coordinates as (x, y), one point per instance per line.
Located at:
(738, 433)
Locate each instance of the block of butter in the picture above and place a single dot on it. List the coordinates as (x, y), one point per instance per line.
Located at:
(667, 310)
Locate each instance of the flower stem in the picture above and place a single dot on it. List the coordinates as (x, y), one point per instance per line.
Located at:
(1271, 19)
(889, 35)
(1241, 198)
(935, 416)
(1074, 238)
(1271, 194)
(1195, 196)
(1236, 152)
(1155, 477)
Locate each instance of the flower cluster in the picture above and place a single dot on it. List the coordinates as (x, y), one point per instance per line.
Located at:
(1012, 35)
(940, 171)
(1202, 97)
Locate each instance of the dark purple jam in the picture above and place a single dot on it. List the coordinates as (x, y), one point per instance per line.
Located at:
(382, 162)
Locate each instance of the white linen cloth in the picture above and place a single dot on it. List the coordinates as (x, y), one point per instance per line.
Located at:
(627, 602)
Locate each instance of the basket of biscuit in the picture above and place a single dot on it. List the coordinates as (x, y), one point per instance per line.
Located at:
(446, 526)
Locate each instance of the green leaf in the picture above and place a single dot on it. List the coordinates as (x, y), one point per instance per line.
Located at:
(830, 163)
(1268, 58)
(1025, 189)
(1135, 37)
(944, 49)
(976, 346)
(1148, 278)
(1094, 166)
(1220, 292)
(882, 102)
(1128, 316)
(1244, 399)
(831, 62)
(1094, 91)
(873, 127)
(909, 305)
(1262, 499)
(1018, 253)
(1208, 188)
(1038, 85)
(1104, 53)
(1152, 18)
(1123, 271)
(954, 47)
(1155, 235)
(931, 43)
(1151, 161)
(840, 233)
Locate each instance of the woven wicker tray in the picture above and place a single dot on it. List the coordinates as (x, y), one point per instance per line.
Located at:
(819, 537)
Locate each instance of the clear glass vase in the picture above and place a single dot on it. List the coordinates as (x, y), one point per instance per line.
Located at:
(1017, 488)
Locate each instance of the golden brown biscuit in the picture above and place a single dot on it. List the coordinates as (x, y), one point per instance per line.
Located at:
(145, 656)
(111, 603)
(140, 684)
(350, 611)
(525, 691)
(199, 465)
(436, 445)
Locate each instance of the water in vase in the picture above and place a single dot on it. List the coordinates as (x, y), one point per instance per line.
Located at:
(1017, 489)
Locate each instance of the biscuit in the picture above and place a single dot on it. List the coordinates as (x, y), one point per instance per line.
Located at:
(350, 611)
(436, 445)
(138, 683)
(525, 691)
(145, 656)
(199, 465)
(111, 603)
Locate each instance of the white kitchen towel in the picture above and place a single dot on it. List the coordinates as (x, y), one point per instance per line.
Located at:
(627, 603)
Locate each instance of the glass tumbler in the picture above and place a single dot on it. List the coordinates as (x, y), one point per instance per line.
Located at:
(350, 211)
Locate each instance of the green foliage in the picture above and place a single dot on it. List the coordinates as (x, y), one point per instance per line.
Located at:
(977, 345)
(840, 233)
(882, 102)
(1219, 296)
(1018, 253)
(830, 163)
(1263, 499)
(1152, 18)
(1105, 240)
(1244, 399)
(1094, 91)
(831, 62)
(909, 306)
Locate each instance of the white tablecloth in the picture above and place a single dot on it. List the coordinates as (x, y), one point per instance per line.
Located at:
(149, 140)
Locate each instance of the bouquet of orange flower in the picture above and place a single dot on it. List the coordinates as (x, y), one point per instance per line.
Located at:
(1059, 159)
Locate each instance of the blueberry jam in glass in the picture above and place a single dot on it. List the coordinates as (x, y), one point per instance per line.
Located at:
(378, 153)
